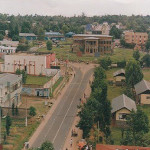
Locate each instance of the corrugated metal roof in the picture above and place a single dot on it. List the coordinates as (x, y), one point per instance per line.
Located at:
(26, 34)
(91, 35)
(121, 71)
(142, 87)
(123, 101)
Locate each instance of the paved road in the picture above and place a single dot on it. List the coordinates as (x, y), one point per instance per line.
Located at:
(61, 120)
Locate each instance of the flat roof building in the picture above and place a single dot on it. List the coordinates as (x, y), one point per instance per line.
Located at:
(10, 89)
(31, 63)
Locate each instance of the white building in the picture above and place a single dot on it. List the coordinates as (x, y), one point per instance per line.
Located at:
(9, 43)
(31, 63)
(10, 89)
(7, 50)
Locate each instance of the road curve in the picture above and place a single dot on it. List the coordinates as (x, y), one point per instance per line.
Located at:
(57, 127)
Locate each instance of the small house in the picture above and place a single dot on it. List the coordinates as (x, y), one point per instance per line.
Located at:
(142, 90)
(122, 107)
(28, 36)
(119, 77)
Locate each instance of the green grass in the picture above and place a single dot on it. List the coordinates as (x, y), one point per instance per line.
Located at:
(113, 91)
(146, 73)
(116, 135)
(56, 85)
(37, 80)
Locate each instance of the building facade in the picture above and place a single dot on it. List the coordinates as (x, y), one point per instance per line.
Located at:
(28, 36)
(103, 29)
(9, 43)
(54, 36)
(142, 90)
(7, 50)
(92, 44)
(32, 64)
(137, 38)
(10, 89)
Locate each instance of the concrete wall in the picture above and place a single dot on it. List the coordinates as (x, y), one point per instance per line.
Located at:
(34, 65)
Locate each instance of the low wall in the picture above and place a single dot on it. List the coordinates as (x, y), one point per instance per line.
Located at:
(41, 91)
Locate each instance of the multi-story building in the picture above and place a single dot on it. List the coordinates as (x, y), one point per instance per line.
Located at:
(103, 29)
(92, 44)
(31, 63)
(137, 38)
(10, 89)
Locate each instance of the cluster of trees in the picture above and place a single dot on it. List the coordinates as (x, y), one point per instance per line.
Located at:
(97, 110)
(115, 32)
(38, 24)
(136, 132)
(49, 45)
(24, 75)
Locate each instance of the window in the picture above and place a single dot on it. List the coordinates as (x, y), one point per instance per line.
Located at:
(148, 97)
(122, 116)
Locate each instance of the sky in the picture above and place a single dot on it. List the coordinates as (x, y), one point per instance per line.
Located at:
(75, 7)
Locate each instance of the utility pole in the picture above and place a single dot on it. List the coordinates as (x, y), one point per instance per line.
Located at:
(26, 121)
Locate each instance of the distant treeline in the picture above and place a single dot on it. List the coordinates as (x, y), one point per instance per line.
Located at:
(39, 24)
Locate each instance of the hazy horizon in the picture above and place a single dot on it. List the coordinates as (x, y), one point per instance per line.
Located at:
(70, 8)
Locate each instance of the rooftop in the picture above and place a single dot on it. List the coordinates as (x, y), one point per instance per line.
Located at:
(142, 87)
(123, 101)
(91, 35)
(91, 38)
(121, 71)
(26, 34)
(116, 147)
(7, 77)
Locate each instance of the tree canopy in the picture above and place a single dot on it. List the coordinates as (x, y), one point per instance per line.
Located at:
(133, 73)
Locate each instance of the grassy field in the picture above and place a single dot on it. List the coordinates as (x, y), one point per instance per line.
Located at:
(64, 52)
(114, 91)
(37, 80)
(19, 133)
(146, 73)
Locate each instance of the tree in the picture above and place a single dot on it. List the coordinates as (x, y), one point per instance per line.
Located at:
(147, 45)
(15, 38)
(8, 124)
(146, 60)
(49, 45)
(133, 73)
(115, 32)
(13, 109)
(47, 146)
(24, 75)
(22, 47)
(136, 55)
(1, 37)
(16, 111)
(41, 34)
(121, 64)
(138, 126)
(32, 111)
(65, 29)
(105, 62)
